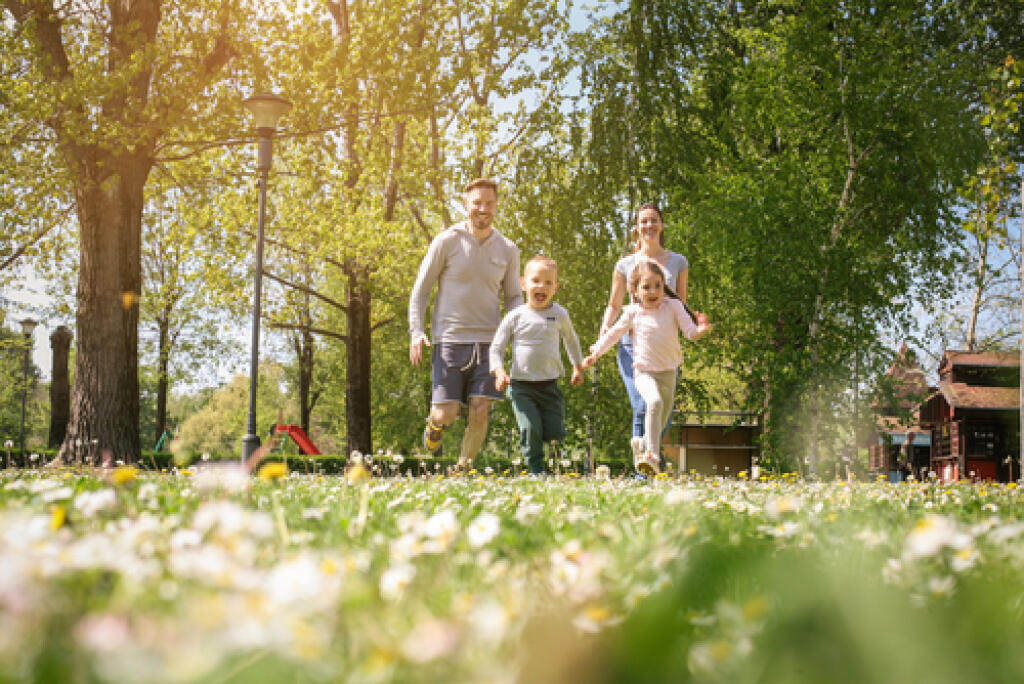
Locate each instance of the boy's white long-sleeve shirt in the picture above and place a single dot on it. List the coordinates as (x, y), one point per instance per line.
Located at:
(655, 334)
(471, 277)
(535, 335)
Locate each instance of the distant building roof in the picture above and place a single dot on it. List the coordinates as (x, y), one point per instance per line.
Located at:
(961, 395)
(953, 357)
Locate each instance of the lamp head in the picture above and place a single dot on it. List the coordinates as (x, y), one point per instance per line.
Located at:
(266, 109)
(28, 326)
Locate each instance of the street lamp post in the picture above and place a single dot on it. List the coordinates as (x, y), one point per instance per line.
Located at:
(28, 326)
(266, 109)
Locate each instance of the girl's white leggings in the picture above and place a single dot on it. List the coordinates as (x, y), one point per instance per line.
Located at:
(658, 388)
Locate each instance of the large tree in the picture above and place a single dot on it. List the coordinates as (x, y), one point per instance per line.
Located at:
(809, 152)
(103, 84)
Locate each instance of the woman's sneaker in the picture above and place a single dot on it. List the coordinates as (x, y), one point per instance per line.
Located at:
(637, 445)
(647, 464)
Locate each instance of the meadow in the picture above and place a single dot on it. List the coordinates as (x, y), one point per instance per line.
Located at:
(214, 575)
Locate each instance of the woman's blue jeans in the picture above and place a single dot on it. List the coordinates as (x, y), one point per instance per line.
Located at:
(624, 357)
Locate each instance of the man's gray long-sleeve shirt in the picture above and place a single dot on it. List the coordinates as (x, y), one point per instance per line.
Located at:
(470, 278)
(535, 335)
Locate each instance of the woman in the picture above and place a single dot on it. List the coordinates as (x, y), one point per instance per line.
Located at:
(649, 243)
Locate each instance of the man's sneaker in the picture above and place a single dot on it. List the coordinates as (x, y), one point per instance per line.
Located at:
(432, 436)
(647, 464)
(637, 445)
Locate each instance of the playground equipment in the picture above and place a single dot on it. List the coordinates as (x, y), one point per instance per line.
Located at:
(300, 437)
(165, 440)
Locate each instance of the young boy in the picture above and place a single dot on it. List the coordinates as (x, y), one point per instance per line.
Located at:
(535, 330)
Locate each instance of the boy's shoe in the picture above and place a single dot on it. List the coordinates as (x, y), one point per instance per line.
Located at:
(637, 445)
(432, 436)
(647, 464)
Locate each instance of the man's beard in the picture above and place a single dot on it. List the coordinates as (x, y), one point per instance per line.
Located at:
(480, 222)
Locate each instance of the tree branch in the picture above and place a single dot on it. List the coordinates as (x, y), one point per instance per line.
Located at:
(307, 290)
(39, 234)
(307, 328)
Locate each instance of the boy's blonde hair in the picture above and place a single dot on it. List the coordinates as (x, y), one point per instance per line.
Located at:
(543, 261)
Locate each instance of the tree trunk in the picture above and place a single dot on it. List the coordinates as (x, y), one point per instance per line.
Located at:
(357, 381)
(304, 354)
(105, 400)
(979, 290)
(60, 388)
(162, 381)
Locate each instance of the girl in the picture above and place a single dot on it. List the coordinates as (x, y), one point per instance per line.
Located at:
(648, 243)
(654, 320)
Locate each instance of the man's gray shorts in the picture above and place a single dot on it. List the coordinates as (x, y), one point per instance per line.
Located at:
(461, 371)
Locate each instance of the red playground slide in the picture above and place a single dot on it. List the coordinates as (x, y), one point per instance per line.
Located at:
(299, 436)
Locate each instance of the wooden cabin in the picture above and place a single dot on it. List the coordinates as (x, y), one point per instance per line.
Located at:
(900, 445)
(713, 443)
(974, 417)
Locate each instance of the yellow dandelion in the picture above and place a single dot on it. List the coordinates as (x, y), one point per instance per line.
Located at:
(357, 474)
(123, 475)
(755, 608)
(58, 516)
(379, 661)
(273, 471)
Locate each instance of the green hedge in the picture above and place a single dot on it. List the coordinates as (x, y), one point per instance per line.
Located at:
(326, 464)
(334, 464)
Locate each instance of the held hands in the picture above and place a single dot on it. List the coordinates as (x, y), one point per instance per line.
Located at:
(416, 349)
(589, 360)
(501, 379)
(577, 375)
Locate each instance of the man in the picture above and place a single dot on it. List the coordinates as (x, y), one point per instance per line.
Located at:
(473, 265)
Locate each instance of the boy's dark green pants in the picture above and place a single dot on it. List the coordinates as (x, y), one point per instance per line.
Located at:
(539, 408)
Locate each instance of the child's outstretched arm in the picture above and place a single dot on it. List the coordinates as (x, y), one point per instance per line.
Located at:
(693, 324)
(610, 337)
(703, 327)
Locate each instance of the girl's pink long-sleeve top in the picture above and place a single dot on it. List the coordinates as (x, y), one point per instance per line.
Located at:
(655, 334)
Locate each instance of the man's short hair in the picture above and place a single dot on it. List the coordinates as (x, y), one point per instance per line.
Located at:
(543, 261)
(482, 183)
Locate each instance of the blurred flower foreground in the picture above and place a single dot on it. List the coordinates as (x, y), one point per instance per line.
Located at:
(212, 576)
